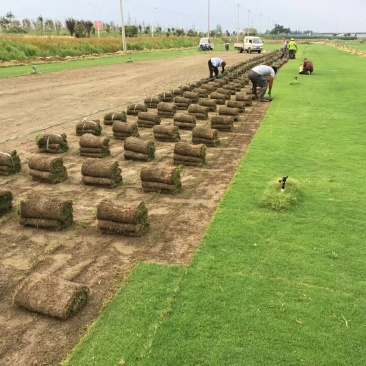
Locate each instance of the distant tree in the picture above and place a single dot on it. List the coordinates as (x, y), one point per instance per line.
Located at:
(26, 24)
(5, 21)
(80, 31)
(58, 27)
(88, 25)
(140, 28)
(49, 25)
(180, 32)
(131, 31)
(280, 29)
(218, 30)
(108, 28)
(147, 29)
(40, 26)
(70, 25)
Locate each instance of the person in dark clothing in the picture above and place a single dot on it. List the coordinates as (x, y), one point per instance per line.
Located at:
(307, 67)
(213, 66)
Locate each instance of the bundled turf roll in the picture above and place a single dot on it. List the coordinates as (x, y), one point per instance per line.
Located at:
(205, 135)
(247, 99)
(45, 212)
(227, 93)
(188, 154)
(52, 143)
(94, 146)
(209, 87)
(139, 149)
(147, 119)
(51, 295)
(177, 92)
(230, 88)
(130, 219)
(122, 130)
(47, 169)
(193, 97)
(219, 82)
(161, 180)
(185, 88)
(209, 103)
(219, 98)
(103, 173)
(236, 104)
(181, 102)
(203, 93)
(6, 201)
(134, 109)
(110, 117)
(152, 102)
(166, 96)
(167, 109)
(86, 126)
(227, 111)
(166, 133)
(9, 163)
(222, 123)
(199, 111)
(185, 121)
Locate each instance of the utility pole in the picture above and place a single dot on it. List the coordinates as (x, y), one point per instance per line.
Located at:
(124, 47)
(248, 20)
(260, 23)
(237, 33)
(208, 18)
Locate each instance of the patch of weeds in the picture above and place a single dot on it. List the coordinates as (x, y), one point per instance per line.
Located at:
(333, 255)
(278, 200)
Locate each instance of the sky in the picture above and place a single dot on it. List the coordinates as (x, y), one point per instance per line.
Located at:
(328, 16)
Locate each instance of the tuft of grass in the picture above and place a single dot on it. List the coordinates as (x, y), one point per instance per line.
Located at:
(279, 200)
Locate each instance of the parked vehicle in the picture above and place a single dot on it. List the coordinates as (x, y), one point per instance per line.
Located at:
(250, 44)
(205, 44)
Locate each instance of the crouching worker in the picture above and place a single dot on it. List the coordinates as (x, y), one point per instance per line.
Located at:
(307, 67)
(213, 66)
(257, 76)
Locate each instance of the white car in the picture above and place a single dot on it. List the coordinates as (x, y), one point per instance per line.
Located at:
(205, 44)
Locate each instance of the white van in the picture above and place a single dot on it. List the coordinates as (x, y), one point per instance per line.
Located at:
(205, 44)
(250, 44)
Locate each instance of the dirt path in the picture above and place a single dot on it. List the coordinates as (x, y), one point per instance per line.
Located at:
(81, 253)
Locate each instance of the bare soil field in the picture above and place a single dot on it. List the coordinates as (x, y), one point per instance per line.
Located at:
(54, 103)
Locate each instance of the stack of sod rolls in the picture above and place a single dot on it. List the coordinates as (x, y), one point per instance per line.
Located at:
(236, 104)
(205, 135)
(122, 130)
(52, 143)
(177, 92)
(166, 97)
(161, 180)
(86, 126)
(152, 102)
(51, 295)
(6, 201)
(110, 117)
(222, 123)
(94, 146)
(147, 119)
(193, 97)
(134, 109)
(9, 163)
(185, 121)
(181, 102)
(167, 110)
(209, 103)
(130, 219)
(45, 212)
(227, 111)
(185, 88)
(47, 169)
(203, 93)
(227, 93)
(219, 98)
(101, 173)
(247, 99)
(166, 133)
(199, 111)
(210, 87)
(139, 149)
(188, 154)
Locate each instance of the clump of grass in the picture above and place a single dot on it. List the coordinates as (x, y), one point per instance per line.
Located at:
(278, 200)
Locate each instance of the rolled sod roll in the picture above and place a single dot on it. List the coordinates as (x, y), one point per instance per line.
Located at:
(138, 148)
(218, 97)
(110, 117)
(166, 96)
(52, 143)
(134, 109)
(226, 111)
(102, 169)
(185, 121)
(46, 164)
(222, 123)
(9, 163)
(199, 111)
(177, 91)
(203, 93)
(187, 149)
(166, 109)
(129, 219)
(166, 133)
(165, 180)
(89, 140)
(122, 130)
(147, 119)
(227, 93)
(192, 96)
(209, 87)
(236, 104)
(209, 103)
(86, 126)
(205, 135)
(51, 295)
(152, 102)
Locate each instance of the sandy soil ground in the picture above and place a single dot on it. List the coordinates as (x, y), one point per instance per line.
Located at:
(55, 103)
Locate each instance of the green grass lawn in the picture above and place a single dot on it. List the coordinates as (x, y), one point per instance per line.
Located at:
(265, 287)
